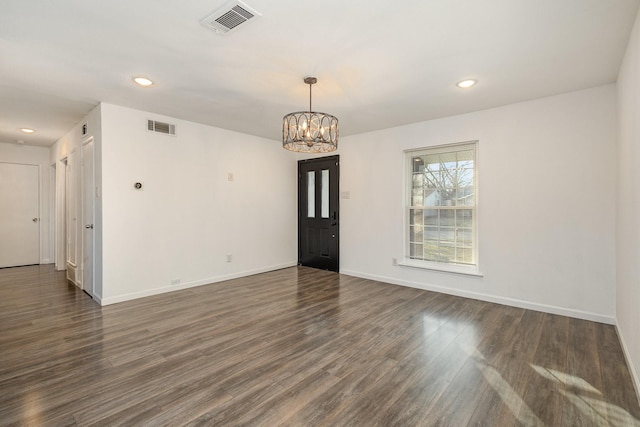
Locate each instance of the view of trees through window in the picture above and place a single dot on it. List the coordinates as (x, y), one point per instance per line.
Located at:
(442, 205)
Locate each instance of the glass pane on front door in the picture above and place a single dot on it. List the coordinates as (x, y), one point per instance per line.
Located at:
(311, 194)
(324, 202)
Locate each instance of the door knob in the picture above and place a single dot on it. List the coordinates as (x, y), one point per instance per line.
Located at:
(35, 220)
(89, 226)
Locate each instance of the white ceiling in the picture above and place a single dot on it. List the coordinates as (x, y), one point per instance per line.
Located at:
(379, 63)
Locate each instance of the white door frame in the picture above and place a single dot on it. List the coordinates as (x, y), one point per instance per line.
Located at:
(89, 193)
(58, 208)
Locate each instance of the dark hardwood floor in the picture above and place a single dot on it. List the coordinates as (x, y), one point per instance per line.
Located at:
(299, 347)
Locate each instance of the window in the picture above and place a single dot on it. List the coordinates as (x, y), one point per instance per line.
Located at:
(441, 206)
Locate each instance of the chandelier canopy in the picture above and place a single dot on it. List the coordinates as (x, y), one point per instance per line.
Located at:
(310, 131)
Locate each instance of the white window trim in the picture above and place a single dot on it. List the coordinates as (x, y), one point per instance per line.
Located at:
(406, 261)
(467, 270)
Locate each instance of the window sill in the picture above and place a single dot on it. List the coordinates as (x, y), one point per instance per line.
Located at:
(444, 268)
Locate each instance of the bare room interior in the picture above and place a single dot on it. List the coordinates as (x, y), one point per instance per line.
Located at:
(311, 214)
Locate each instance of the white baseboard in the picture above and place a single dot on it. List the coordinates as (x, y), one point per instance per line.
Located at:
(71, 273)
(578, 314)
(187, 285)
(632, 369)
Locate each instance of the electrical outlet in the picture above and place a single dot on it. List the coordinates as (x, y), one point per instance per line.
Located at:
(230, 176)
(175, 282)
(394, 261)
(229, 257)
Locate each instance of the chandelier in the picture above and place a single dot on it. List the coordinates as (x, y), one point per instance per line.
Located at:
(310, 131)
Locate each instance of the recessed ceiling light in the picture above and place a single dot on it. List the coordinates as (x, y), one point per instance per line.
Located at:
(142, 81)
(466, 83)
(27, 130)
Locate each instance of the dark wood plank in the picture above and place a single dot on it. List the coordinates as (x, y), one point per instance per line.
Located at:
(299, 347)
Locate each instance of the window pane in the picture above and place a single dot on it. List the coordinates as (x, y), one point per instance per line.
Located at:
(448, 217)
(311, 194)
(416, 251)
(417, 197)
(418, 179)
(447, 252)
(448, 235)
(466, 196)
(324, 204)
(464, 237)
(431, 217)
(432, 179)
(465, 177)
(417, 164)
(416, 234)
(431, 250)
(463, 217)
(415, 217)
(431, 233)
(448, 197)
(465, 256)
(426, 196)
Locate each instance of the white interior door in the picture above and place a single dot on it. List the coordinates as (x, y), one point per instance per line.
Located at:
(19, 214)
(88, 214)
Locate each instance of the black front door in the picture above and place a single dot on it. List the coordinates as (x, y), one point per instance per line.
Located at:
(318, 212)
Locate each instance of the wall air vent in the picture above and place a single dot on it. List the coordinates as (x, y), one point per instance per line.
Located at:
(160, 127)
(229, 17)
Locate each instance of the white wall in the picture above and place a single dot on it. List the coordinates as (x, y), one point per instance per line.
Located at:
(25, 154)
(189, 216)
(546, 203)
(628, 204)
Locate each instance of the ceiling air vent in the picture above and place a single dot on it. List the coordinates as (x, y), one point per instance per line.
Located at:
(229, 17)
(160, 127)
